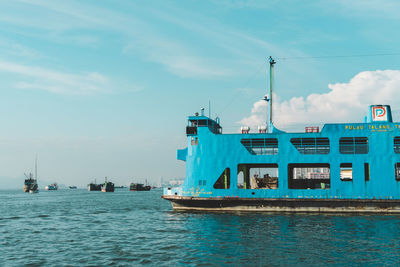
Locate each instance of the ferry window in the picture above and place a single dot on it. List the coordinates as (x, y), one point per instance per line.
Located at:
(309, 176)
(311, 145)
(397, 171)
(397, 144)
(224, 180)
(191, 130)
(366, 171)
(346, 172)
(258, 176)
(203, 122)
(353, 145)
(261, 146)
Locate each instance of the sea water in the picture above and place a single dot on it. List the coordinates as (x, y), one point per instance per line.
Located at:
(80, 228)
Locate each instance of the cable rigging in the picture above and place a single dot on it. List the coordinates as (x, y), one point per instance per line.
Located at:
(301, 58)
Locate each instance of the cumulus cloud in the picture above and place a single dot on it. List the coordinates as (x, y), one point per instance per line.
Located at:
(345, 102)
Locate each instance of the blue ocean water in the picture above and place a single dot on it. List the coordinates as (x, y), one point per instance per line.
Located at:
(81, 228)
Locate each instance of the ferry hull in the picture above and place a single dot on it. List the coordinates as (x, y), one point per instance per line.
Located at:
(284, 205)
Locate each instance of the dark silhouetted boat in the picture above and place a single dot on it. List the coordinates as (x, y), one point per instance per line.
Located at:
(139, 187)
(94, 186)
(30, 184)
(107, 186)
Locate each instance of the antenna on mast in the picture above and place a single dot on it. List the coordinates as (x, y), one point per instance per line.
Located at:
(271, 79)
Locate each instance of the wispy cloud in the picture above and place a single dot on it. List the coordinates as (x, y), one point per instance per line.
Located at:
(15, 49)
(345, 102)
(144, 38)
(29, 77)
(387, 9)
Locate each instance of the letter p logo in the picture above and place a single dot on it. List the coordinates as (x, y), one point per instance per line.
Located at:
(379, 114)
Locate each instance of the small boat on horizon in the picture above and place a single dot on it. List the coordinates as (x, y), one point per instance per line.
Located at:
(94, 186)
(139, 187)
(51, 187)
(72, 187)
(107, 186)
(30, 183)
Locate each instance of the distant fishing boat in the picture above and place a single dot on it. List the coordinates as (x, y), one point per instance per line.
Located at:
(94, 186)
(51, 187)
(107, 186)
(72, 187)
(30, 184)
(139, 187)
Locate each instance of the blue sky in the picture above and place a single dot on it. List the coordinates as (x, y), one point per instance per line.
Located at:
(103, 88)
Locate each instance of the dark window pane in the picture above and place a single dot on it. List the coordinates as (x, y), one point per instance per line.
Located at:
(261, 146)
(311, 145)
(353, 145)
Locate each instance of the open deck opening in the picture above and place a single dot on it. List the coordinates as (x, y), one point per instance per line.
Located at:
(346, 172)
(224, 180)
(309, 176)
(258, 176)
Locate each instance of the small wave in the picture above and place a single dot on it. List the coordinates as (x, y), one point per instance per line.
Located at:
(99, 211)
(13, 218)
(145, 261)
(171, 247)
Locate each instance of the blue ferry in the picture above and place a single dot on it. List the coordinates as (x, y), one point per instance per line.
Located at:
(346, 167)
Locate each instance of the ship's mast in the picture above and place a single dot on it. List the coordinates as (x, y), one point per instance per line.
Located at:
(36, 168)
(271, 72)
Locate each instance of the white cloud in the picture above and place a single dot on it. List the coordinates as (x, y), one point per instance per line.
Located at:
(345, 102)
